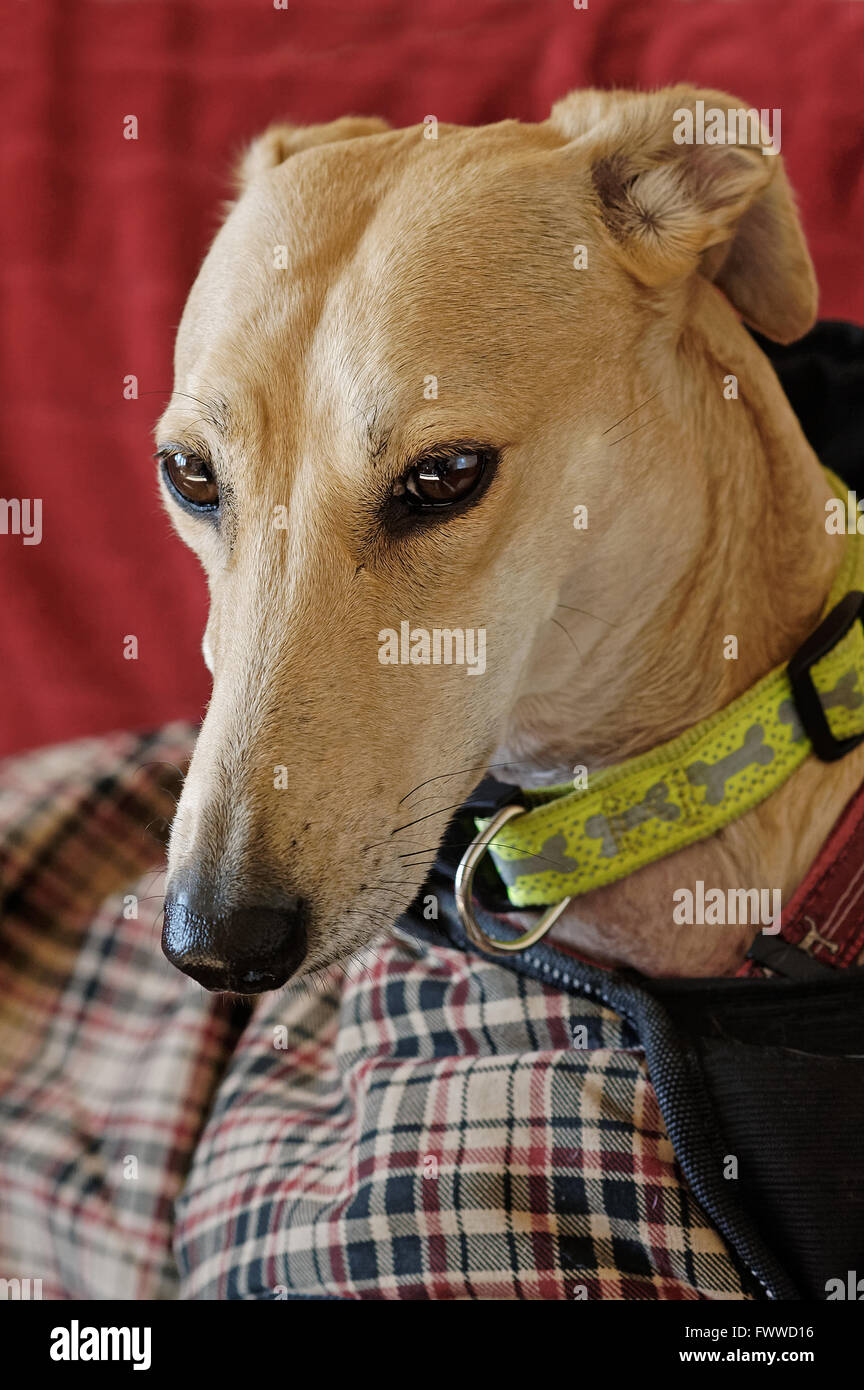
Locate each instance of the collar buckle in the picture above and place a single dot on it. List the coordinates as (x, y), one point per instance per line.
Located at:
(465, 878)
(811, 712)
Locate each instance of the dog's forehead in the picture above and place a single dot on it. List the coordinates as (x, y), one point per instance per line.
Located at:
(380, 263)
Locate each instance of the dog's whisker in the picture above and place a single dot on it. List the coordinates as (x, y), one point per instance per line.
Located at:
(596, 616)
(440, 812)
(359, 957)
(387, 885)
(159, 913)
(399, 883)
(153, 874)
(568, 635)
(410, 851)
(633, 411)
(420, 864)
(479, 767)
(424, 801)
(430, 849)
(381, 911)
(382, 915)
(652, 421)
(161, 762)
(494, 844)
(156, 821)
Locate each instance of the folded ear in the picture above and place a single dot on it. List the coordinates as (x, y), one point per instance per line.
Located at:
(280, 141)
(673, 206)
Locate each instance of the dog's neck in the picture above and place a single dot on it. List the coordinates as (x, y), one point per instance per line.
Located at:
(737, 549)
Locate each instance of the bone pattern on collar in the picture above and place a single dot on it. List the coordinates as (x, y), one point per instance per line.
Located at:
(654, 805)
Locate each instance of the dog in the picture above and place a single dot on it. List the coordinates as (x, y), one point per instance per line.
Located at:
(404, 363)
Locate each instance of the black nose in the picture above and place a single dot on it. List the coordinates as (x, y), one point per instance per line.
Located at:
(246, 951)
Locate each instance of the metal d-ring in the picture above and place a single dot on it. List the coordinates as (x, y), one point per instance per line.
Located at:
(465, 879)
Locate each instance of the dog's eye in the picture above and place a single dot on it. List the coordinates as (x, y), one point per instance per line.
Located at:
(439, 482)
(191, 478)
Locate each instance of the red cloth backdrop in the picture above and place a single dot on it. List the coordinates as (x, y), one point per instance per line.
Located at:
(104, 236)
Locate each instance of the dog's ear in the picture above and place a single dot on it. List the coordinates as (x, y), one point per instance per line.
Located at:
(279, 142)
(672, 208)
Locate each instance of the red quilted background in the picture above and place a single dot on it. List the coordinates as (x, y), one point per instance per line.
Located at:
(103, 236)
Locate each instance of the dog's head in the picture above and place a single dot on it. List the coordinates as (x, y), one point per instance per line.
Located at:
(395, 380)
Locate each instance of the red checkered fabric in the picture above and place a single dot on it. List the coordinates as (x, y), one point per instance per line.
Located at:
(425, 1129)
(427, 1125)
(108, 1058)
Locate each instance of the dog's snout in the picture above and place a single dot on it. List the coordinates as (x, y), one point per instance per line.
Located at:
(247, 950)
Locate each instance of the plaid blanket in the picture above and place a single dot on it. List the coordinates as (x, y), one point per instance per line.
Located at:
(425, 1124)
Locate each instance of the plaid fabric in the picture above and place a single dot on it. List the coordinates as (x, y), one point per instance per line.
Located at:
(108, 1057)
(426, 1129)
(427, 1125)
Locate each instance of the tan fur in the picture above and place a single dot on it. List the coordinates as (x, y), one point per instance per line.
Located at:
(453, 257)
